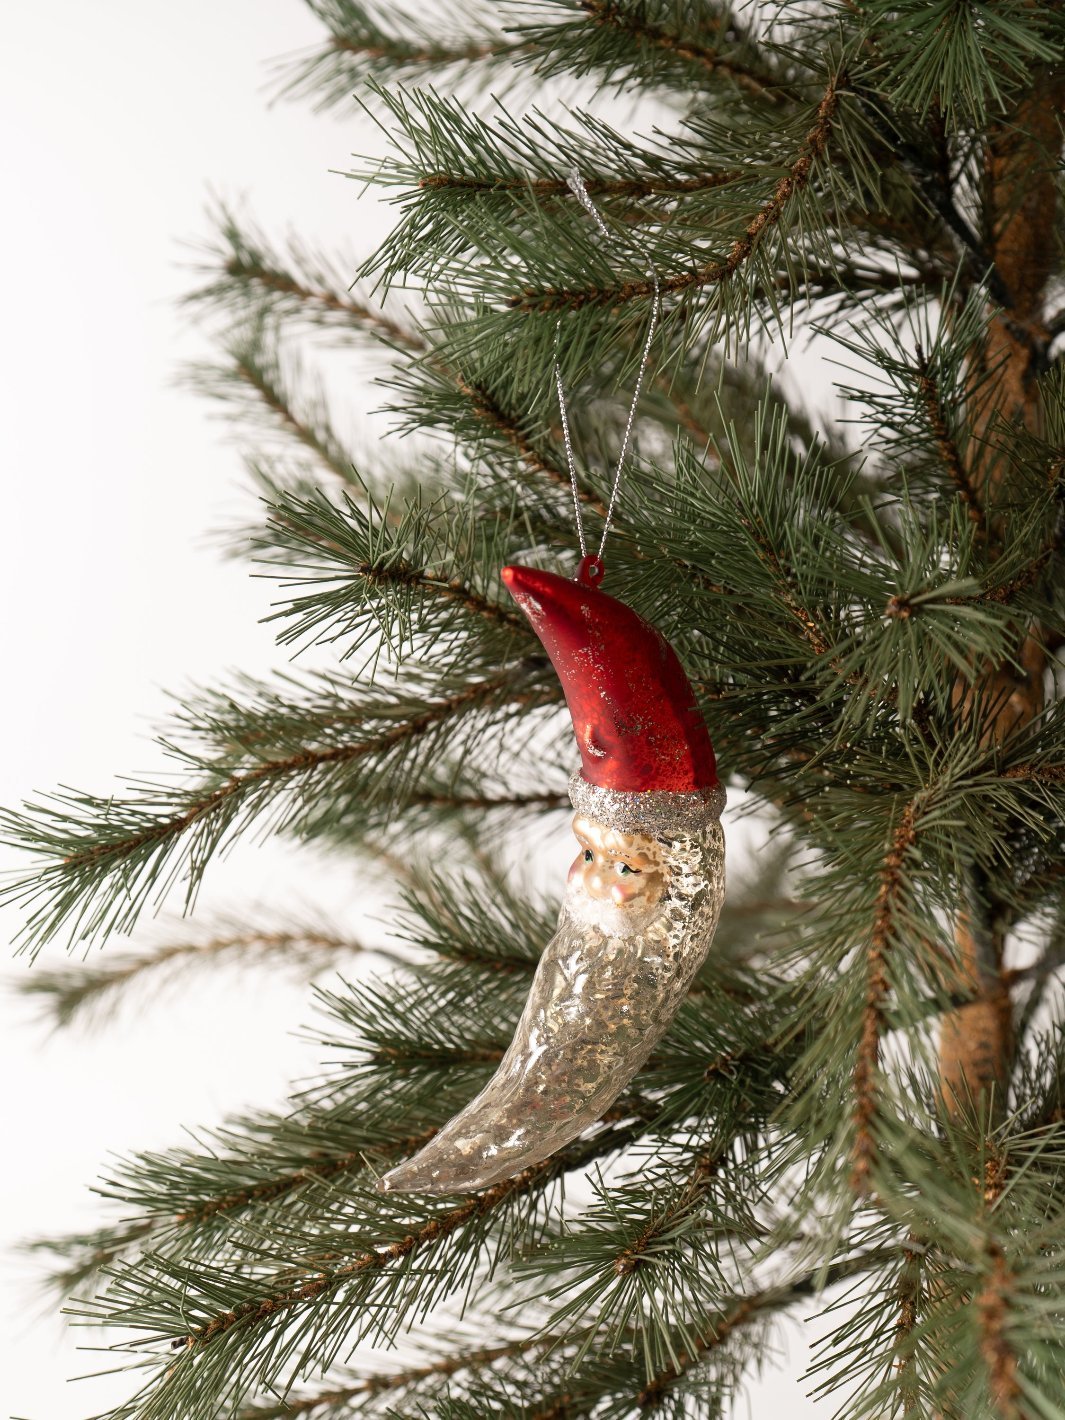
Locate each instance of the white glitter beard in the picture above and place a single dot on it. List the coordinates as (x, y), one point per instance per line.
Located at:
(610, 918)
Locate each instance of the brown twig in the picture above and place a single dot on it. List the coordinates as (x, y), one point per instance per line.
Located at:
(635, 188)
(946, 445)
(1037, 773)
(726, 1322)
(632, 1257)
(546, 800)
(868, 1061)
(993, 1309)
(381, 1384)
(360, 314)
(399, 573)
(488, 408)
(909, 1295)
(439, 54)
(287, 417)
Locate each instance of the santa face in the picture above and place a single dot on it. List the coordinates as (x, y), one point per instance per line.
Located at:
(617, 879)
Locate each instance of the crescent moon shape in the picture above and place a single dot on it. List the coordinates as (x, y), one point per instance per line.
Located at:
(637, 921)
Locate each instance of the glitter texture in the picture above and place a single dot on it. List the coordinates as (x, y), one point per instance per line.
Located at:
(605, 991)
(655, 811)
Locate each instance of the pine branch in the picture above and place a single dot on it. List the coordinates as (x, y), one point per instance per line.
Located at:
(635, 188)
(790, 596)
(714, 273)
(256, 381)
(309, 1159)
(90, 992)
(78, 1259)
(339, 1396)
(644, 1259)
(301, 1160)
(743, 1310)
(658, 43)
(372, 573)
(394, 45)
(1002, 591)
(248, 278)
(270, 1190)
(348, 1277)
(280, 289)
(274, 399)
(956, 61)
(103, 858)
(504, 425)
(709, 58)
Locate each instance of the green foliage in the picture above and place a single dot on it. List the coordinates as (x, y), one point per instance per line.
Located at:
(394, 578)
(961, 58)
(396, 43)
(861, 595)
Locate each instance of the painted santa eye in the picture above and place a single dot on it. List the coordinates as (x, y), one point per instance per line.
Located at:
(624, 868)
(588, 855)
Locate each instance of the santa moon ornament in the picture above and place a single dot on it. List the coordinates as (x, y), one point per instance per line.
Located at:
(642, 897)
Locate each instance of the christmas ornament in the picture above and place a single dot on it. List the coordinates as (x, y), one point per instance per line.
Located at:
(642, 897)
(644, 893)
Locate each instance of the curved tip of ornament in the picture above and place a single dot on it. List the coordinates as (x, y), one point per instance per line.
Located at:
(408, 1177)
(529, 585)
(438, 1174)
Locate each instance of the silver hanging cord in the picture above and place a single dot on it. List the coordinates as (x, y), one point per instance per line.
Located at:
(569, 455)
(577, 187)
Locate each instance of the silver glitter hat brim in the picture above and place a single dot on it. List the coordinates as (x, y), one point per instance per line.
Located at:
(655, 811)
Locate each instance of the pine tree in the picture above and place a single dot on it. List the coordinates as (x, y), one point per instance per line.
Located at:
(862, 1102)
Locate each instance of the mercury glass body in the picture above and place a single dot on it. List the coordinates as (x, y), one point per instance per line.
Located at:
(641, 905)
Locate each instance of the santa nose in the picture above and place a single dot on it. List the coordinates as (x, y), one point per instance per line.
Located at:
(595, 878)
(599, 880)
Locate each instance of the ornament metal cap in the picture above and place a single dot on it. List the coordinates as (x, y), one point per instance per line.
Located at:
(634, 713)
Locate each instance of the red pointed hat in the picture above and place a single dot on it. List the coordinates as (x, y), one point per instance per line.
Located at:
(634, 713)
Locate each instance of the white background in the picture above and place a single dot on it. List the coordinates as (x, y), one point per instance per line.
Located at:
(119, 117)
